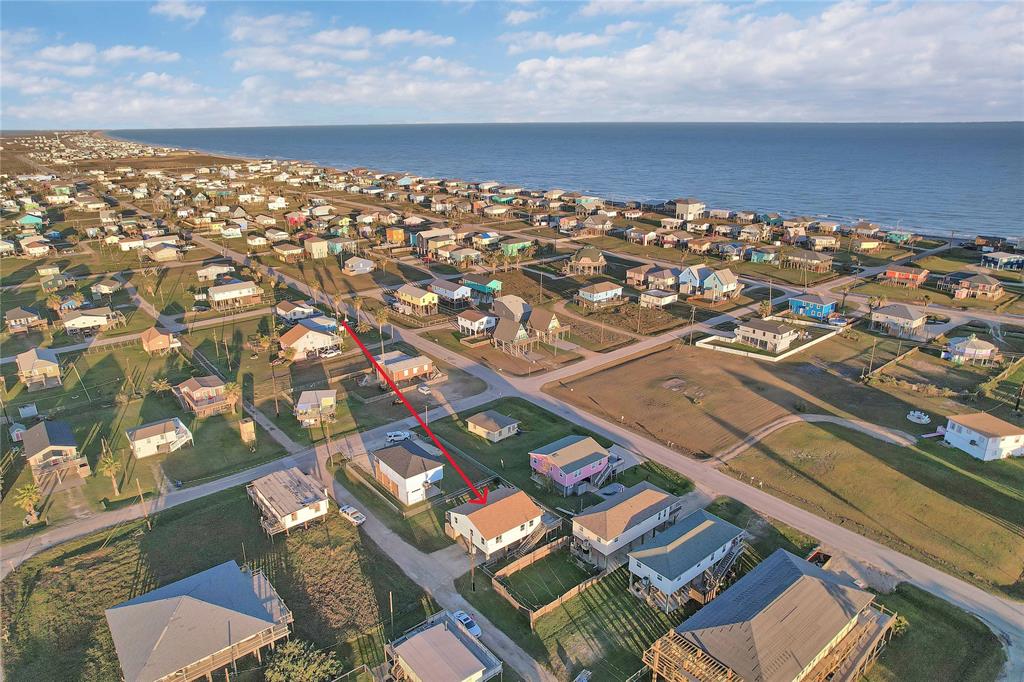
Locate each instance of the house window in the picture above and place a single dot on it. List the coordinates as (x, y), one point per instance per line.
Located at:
(295, 516)
(522, 526)
(497, 539)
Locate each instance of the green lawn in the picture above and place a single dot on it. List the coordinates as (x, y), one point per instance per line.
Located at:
(668, 480)
(604, 629)
(943, 642)
(336, 582)
(767, 534)
(327, 275)
(957, 259)
(509, 458)
(545, 580)
(928, 501)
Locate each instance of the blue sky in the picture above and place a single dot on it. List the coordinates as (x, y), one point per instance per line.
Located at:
(192, 64)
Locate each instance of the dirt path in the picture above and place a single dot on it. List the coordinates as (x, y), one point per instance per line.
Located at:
(882, 433)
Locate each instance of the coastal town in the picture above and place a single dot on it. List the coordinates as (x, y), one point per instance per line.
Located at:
(265, 419)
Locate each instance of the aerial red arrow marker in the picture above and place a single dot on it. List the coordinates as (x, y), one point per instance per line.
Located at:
(481, 495)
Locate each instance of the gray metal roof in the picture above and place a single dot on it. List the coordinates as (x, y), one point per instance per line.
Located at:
(48, 434)
(289, 491)
(407, 459)
(163, 631)
(685, 544)
(775, 620)
(572, 452)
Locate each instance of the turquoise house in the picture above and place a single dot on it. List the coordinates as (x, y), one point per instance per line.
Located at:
(813, 306)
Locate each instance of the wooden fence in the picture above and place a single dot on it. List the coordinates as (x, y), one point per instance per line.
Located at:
(533, 614)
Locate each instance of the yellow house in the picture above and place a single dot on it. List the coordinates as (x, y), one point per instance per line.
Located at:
(416, 301)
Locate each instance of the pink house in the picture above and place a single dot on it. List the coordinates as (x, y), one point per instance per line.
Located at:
(569, 463)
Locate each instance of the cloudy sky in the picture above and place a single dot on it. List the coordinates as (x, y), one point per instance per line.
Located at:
(177, 63)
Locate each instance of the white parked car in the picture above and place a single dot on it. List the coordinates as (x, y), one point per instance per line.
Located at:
(330, 353)
(352, 514)
(470, 624)
(398, 436)
(424, 389)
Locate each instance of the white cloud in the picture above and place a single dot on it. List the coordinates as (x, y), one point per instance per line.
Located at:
(596, 8)
(31, 84)
(350, 36)
(274, 59)
(400, 36)
(271, 29)
(542, 41)
(624, 27)
(138, 53)
(166, 82)
(76, 52)
(441, 66)
(178, 9)
(521, 16)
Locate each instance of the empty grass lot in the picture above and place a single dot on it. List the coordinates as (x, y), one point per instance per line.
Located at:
(929, 501)
(604, 628)
(545, 580)
(895, 294)
(336, 582)
(767, 535)
(657, 474)
(960, 259)
(510, 457)
(943, 642)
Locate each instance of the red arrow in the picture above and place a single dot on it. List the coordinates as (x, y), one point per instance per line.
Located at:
(481, 495)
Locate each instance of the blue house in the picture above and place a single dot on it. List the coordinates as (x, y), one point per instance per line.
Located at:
(813, 306)
(762, 254)
(1000, 260)
(484, 285)
(29, 219)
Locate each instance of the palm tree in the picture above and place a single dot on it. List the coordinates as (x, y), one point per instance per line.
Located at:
(161, 385)
(926, 300)
(381, 315)
(27, 497)
(53, 302)
(233, 392)
(109, 466)
(765, 308)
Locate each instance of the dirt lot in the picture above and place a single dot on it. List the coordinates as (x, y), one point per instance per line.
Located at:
(547, 357)
(926, 367)
(701, 401)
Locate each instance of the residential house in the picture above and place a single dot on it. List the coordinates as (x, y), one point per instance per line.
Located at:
(52, 453)
(155, 341)
(599, 294)
(288, 498)
(312, 408)
(162, 253)
(689, 209)
(692, 278)
(92, 321)
(508, 518)
(407, 471)
(400, 367)
(315, 247)
(355, 265)
(204, 396)
(604, 532)
(105, 287)
(1000, 260)
(984, 436)
(657, 298)
(815, 306)
(786, 620)
(288, 252)
(571, 465)
(191, 628)
(970, 350)
(275, 236)
(415, 301)
(898, 319)
(159, 437)
(687, 560)
(822, 242)
(663, 278)
(256, 241)
(474, 322)
(441, 648)
(210, 273)
(637, 276)
(234, 295)
(453, 294)
(965, 285)
(307, 342)
(588, 261)
(293, 311)
(485, 287)
(865, 244)
(770, 335)
(38, 369)
(492, 425)
(721, 285)
(903, 276)
(510, 246)
(21, 320)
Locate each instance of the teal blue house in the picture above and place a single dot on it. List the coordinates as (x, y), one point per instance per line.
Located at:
(483, 284)
(513, 245)
(898, 236)
(760, 254)
(813, 306)
(29, 220)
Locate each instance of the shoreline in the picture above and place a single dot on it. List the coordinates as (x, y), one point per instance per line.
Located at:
(923, 231)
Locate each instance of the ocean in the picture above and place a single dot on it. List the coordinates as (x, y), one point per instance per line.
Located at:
(930, 177)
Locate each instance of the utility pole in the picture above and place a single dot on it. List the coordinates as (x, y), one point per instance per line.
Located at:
(273, 377)
(871, 361)
(693, 316)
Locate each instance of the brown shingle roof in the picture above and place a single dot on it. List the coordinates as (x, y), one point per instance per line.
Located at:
(611, 518)
(506, 508)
